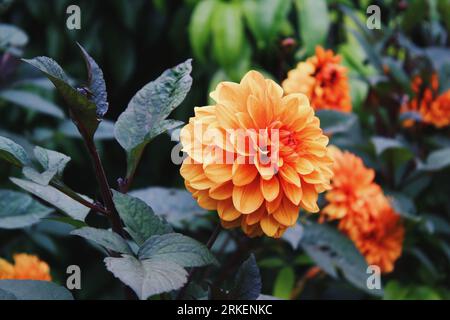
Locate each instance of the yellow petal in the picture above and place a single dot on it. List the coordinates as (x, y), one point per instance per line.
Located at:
(269, 225)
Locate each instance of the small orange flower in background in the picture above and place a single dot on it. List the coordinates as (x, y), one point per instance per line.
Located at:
(323, 79)
(25, 267)
(433, 108)
(279, 165)
(364, 213)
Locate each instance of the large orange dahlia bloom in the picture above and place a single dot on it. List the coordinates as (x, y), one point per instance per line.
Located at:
(256, 156)
(25, 267)
(364, 213)
(433, 108)
(323, 79)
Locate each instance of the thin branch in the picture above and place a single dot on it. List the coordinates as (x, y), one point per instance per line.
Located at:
(75, 196)
(105, 190)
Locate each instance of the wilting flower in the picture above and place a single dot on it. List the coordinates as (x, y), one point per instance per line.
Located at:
(26, 267)
(364, 213)
(434, 109)
(323, 79)
(256, 156)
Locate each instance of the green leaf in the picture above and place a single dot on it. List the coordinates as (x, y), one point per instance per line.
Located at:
(148, 277)
(83, 110)
(332, 121)
(247, 284)
(284, 283)
(200, 28)
(175, 205)
(56, 198)
(108, 239)
(177, 248)
(96, 82)
(332, 251)
(436, 160)
(19, 210)
(35, 290)
(265, 18)
(32, 102)
(140, 220)
(13, 153)
(145, 116)
(314, 23)
(228, 34)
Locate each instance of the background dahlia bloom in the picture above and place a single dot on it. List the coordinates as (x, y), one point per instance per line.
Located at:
(323, 79)
(256, 156)
(432, 107)
(364, 213)
(25, 267)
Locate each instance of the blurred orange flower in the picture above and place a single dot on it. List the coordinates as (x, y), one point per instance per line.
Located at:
(364, 213)
(26, 267)
(323, 79)
(433, 108)
(256, 156)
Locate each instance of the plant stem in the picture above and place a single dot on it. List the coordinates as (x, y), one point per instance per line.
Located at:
(75, 196)
(105, 190)
(193, 271)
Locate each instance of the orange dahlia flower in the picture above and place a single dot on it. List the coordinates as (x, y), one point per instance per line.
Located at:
(323, 79)
(26, 267)
(433, 108)
(364, 213)
(256, 156)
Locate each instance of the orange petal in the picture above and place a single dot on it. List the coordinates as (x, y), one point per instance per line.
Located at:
(309, 200)
(205, 201)
(270, 188)
(287, 213)
(292, 192)
(256, 216)
(248, 198)
(304, 166)
(218, 173)
(273, 205)
(243, 174)
(269, 225)
(227, 211)
(222, 191)
(289, 174)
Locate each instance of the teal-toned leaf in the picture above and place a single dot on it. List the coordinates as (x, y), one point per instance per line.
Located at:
(35, 290)
(175, 205)
(148, 277)
(145, 116)
(105, 238)
(247, 283)
(55, 197)
(140, 220)
(332, 121)
(32, 102)
(436, 160)
(314, 22)
(97, 86)
(12, 38)
(332, 251)
(404, 205)
(177, 248)
(105, 130)
(13, 153)
(83, 110)
(293, 235)
(19, 210)
(284, 283)
(200, 28)
(382, 144)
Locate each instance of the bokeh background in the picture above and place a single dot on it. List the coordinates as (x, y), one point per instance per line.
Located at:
(134, 41)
